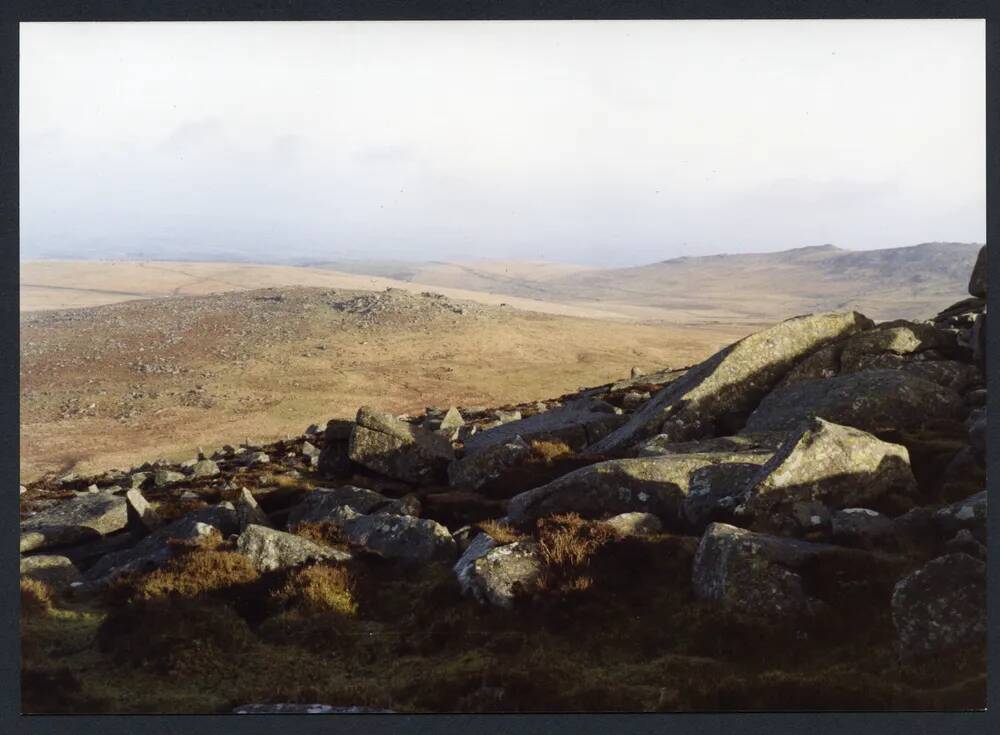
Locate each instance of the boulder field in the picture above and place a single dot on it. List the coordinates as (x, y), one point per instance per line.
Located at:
(798, 521)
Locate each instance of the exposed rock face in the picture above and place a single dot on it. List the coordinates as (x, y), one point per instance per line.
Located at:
(753, 572)
(716, 396)
(656, 485)
(977, 282)
(635, 524)
(163, 478)
(269, 549)
(862, 526)
(870, 400)
(56, 571)
(498, 575)
(898, 339)
(397, 449)
(83, 518)
(333, 457)
(452, 420)
(155, 548)
(488, 464)
(204, 468)
(403, 538)
(765, 442)
(464, 567)
(836, 466)
(941, 608)
(968, 514)
(577, 425)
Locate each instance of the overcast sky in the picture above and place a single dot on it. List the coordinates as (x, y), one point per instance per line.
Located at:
(604, 142)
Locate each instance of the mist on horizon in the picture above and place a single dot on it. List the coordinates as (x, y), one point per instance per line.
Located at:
(601, 143)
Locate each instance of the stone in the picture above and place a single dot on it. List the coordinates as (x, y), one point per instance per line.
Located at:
(977, 434)
(635, 524)
(861, 525)
(163, 478)
(269, 549)
(56, 571)
(765, 442)
(474, 549)
(715, 397)
(657, 485)
(836, 466)
(489, 464)
(248, 512)
(401, 538)
(633, 399)
(137, 479)
(502, 574)
(752, 572)
(969, 514)
(326, 505)
(142, 517)
(506, 417)
(255, 459)
(204, 468)
(899, 338)
(80, 519)
(574, 425)
(23, 489)
(964, 542)
(978, 279)
(452, 420)
(155, 548)
(308, 449)
(396, 449)
(941, 608)
(870, 400)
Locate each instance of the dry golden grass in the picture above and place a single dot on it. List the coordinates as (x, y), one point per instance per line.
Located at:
(500, 532)
(198, 572)
(36, 597)
(568, 542)
(321, 588)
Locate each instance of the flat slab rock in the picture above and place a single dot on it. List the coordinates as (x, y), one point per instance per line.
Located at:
(870, 400)
(577, 425)
(83, 518)
(941, 608)
(659, 485)
(725, 388)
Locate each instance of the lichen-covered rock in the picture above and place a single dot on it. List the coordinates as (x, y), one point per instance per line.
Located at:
(56, 571)
(576, 425)
(635, 524)
(764, 442)
(269, 549)
(716, 396)
(656, 485)
(502, 574)
(870, 400)
(836, 466)
(477, 548)
(941, 608)
(155, 549)
(477, 469)
(897, 338)
(163, 477)
(451, 420)
(80, 519)
(396, 449)
(977, 282)
(403, 538)
(752, 572)
(326, 504)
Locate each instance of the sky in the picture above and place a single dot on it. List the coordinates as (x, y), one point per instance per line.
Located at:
(594, 142)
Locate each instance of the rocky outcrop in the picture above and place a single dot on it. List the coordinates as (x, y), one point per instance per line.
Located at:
(834, 466)
(657, 485)
(401, 538)
(941, 608)
(248, 512)
(396, 449)
(488, 464)
(977, 282)
(333, 505)
(269, 549)
(81, 519)
(56, 571)
(576, 425)
(716, 396)
(870, 400)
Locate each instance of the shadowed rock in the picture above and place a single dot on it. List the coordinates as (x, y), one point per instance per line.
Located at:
(403, 538)
(488, 464)
(325, 505)
(248, 511)
(269, 549)
(142, 517)
(835, 466)
(941, 608)
(56, 571)
(871, 400)
(396, 449)
(716, 396)
(83, 518)
(576, 425)
(498, 575)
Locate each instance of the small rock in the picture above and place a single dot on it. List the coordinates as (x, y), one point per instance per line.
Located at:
(204, 468)
(502, 574)
(269, 549)
(56, 571)
(142, 518)
(635, 524)
(248, 511)
(163, 477)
